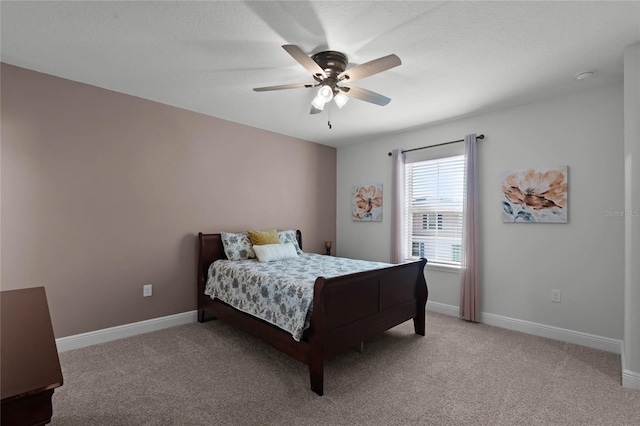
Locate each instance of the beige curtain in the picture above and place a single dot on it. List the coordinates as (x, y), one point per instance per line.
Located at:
(470, 264)
(398, 254)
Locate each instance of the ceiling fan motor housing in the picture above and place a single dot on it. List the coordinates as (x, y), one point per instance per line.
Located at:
(333, 63)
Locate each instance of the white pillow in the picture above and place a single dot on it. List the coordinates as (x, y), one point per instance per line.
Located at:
(271, 252)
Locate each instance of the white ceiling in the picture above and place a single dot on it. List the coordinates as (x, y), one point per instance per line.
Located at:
(458, 58)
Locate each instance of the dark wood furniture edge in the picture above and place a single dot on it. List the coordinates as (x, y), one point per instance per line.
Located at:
(35, 408)
(338, 332)
(30, 363)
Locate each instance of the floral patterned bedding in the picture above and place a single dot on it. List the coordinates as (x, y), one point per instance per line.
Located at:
(279, 292)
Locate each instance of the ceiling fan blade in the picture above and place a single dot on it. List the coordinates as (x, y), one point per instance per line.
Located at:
(370, 68)
(283, 86)
(304, 60)
(365, 95)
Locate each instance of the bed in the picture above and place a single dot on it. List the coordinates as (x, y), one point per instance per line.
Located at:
(347, 309)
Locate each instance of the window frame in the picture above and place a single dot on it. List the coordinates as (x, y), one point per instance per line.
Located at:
(434, 264)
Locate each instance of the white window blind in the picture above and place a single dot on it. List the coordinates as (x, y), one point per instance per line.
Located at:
(434, 196)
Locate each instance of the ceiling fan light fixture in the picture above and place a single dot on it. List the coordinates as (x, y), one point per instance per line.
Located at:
(325, 93)
(318, 103)
(341, 99)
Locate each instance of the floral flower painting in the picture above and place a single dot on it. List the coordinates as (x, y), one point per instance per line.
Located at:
(366, 203)
(535, 195)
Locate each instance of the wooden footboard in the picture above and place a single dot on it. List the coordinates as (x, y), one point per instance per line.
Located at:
(353, 308)
(347, 310)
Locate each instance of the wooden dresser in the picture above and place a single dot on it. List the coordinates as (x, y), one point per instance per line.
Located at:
(30, 367)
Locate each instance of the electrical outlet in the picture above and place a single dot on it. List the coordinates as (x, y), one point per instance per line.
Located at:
(147, 290)
(556, 296)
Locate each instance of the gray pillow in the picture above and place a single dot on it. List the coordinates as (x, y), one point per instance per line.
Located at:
(237, 246)
(289, 236)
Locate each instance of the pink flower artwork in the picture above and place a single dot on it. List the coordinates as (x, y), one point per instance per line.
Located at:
(535, 195)
(366, 203)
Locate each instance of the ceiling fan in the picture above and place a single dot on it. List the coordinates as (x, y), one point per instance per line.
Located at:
(329, 69)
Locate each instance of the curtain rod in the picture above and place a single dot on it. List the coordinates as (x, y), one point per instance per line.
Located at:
(440, 144)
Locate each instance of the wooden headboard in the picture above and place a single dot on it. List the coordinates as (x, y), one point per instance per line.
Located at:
(210, 249)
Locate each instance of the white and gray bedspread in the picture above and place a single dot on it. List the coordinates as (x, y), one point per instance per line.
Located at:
(279, 292)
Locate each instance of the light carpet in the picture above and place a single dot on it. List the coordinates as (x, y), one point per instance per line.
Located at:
(459, 373)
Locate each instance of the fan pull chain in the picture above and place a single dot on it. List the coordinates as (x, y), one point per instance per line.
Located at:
(329, 114)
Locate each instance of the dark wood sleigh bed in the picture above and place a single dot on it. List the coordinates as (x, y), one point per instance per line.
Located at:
(347, 310)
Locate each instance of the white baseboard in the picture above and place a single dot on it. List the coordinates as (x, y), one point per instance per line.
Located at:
(127, 330)
(441, 308)
(630, 379)
(584, 339)
(542, 330)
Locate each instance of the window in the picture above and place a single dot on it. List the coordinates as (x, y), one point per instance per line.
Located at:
(434, 196)
(431, 221)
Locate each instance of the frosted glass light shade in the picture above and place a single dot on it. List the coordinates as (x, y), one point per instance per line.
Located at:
(318, 103)
(325, 93)
(341, 99)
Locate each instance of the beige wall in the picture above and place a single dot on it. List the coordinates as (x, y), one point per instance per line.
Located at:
(104, 192)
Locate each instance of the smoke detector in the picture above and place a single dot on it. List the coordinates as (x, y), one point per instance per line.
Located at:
(584, 75)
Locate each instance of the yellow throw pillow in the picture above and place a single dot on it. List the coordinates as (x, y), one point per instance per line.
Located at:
(260, 238)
